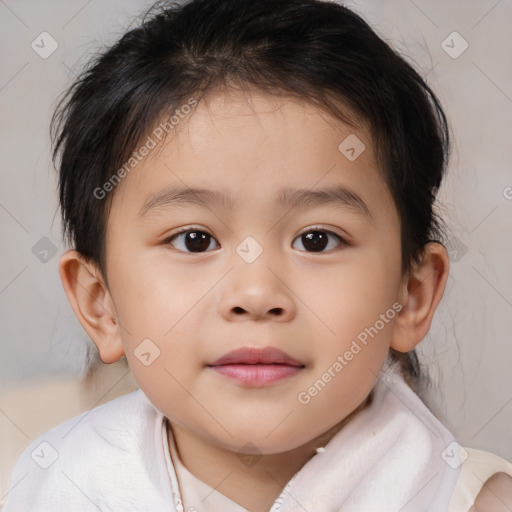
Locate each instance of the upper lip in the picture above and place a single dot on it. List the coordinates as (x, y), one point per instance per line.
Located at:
(254, 355)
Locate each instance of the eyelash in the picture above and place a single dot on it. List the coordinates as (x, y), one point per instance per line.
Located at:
(342, 241)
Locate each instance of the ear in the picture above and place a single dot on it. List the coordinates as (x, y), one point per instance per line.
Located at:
(92, 303)
(420, 293)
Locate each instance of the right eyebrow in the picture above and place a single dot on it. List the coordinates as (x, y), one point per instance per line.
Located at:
(183, 196)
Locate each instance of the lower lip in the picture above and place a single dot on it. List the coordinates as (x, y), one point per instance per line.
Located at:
(257, 374)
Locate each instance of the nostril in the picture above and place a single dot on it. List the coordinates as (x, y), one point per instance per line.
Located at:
(273, 311)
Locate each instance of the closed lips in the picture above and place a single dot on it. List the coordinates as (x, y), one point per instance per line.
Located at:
(253, 356)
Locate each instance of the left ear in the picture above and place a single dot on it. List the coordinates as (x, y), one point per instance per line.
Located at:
(420, 293)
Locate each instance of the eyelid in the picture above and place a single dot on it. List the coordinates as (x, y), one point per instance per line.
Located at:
(327, 229)
(188, 228)
(307, 229)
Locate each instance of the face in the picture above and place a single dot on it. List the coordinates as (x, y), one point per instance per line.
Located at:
(192, 280)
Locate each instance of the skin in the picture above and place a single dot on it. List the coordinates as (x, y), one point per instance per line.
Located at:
(196, 307)
(495, 496)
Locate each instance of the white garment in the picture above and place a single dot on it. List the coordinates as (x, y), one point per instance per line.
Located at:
(196, 496)
(389, 457)
(476, 469)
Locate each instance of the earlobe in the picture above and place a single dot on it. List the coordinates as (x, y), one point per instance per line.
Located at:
(92, 303)
(420, 294)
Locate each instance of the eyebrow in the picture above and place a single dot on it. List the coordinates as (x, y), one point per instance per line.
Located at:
(337, 196)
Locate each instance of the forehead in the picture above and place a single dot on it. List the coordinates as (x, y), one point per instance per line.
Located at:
(248, 146)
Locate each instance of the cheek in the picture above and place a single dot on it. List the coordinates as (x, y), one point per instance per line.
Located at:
(150, 295)
(157, 303)
(351, 296)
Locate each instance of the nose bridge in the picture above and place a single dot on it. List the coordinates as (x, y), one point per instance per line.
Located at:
(256, 286)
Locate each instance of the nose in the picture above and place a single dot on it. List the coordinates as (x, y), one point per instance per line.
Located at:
(256, 292)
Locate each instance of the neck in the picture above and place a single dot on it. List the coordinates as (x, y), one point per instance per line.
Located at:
(254, 487)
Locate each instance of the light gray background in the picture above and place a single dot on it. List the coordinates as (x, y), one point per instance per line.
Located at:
(469, 349)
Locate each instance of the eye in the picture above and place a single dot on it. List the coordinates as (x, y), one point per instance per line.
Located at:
(316, 240)
(198, 241)
(191, 240)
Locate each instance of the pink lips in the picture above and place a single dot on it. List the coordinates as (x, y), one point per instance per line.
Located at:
(257, 366)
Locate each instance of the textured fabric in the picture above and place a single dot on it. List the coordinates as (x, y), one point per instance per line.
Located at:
(389, 457)
(197, 495)
(476, 468)
(107, 459)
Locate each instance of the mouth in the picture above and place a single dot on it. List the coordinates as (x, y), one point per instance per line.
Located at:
(257, 367)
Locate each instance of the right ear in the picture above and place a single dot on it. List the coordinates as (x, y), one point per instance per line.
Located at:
(92, 303)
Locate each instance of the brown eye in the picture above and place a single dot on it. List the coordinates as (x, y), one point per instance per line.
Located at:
(198, 241)
(191, 240)
(318, 240)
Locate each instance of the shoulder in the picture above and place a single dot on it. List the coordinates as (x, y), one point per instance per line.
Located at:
(102, 422)
(484, 478)
(82, 451)
(495, 495)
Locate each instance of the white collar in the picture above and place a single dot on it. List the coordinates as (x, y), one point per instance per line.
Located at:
(394, 455)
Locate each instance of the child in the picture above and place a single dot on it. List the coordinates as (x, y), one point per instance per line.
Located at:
(276, 362)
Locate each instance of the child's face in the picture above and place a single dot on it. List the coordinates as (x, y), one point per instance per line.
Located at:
(197, 306)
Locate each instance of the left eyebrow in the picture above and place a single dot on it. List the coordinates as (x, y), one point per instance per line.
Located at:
(178, 197)
(337, 196)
